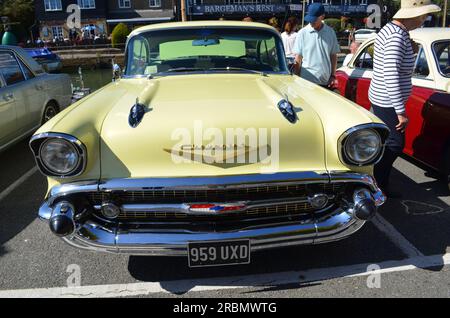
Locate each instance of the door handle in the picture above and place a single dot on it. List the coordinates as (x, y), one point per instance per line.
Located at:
(8, 96)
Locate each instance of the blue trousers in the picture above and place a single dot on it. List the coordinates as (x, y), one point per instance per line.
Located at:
(393, 147)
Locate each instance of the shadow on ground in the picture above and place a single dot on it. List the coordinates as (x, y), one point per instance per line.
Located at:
(19, 208)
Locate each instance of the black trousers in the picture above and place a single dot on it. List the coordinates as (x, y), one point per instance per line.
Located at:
(394, 145)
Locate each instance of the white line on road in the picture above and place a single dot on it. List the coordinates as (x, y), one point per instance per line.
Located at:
(396, 237)
(17, 183)
(208, 284)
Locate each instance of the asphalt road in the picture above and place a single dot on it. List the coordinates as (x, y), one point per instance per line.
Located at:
(408, 246)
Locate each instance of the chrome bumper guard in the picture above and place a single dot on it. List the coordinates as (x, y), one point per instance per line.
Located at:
(91, 235)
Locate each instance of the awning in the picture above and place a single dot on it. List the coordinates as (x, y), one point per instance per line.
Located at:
(137, 16)
(137, 20)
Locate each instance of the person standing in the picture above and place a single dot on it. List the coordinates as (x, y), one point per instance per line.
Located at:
(288, 37)
(391, 83)
(316, 49)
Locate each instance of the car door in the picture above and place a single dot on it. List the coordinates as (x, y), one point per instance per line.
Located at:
(34, 96)
(432, 134)
(417, 141)
(357, 88)
(15, 81)
(8, 109)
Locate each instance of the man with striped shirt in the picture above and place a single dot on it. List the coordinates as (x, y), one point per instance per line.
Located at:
(391, 84)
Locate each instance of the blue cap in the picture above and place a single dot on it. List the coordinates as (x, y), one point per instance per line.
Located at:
(315, 10)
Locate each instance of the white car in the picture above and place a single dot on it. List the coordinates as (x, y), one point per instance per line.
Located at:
(28, 96)
(363, 34)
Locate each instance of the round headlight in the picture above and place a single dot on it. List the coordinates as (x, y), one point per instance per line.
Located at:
(363, 146)
(59, 156)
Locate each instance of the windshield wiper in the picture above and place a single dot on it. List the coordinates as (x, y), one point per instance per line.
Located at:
(231, 68)
(177, 70)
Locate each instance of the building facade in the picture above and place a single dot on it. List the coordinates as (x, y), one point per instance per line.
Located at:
(135, 13)
(52, 16)
(262, 10)
(99, 16)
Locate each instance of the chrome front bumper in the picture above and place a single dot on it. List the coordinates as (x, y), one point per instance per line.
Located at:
(93, 235)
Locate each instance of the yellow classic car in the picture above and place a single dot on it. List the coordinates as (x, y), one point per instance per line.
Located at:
(207, 147)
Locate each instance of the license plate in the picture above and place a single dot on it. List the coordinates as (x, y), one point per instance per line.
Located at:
(219, 253)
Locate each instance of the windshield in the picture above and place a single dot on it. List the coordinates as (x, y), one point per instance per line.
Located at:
(205, 49)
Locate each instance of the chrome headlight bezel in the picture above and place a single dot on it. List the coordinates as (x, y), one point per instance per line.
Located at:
(380, 131)
(38, 141)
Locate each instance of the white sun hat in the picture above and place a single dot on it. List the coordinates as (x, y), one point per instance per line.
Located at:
(415, 8)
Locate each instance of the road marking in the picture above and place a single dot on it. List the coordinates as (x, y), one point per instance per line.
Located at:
(249, 281)
(17, 183)
(396, 237)
(435, 209)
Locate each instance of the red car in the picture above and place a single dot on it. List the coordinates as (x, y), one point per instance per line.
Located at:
(428, 108)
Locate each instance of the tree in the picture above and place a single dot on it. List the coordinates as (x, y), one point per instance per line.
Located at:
(119, 34)
(21, 12)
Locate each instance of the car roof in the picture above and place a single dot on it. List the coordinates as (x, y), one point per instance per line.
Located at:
(26, 58)
(431, 34)
(212, 23)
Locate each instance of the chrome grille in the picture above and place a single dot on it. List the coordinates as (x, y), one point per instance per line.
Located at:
(279, 210)
(214, 195)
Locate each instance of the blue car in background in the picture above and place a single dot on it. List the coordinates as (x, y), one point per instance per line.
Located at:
(49, 60)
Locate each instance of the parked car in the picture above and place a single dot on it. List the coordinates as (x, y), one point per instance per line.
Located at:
(50, 61)
(363, 34)
(208, 147)
(428, 108)
(28, 96)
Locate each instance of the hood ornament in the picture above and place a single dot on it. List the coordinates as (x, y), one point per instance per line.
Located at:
(137, 112)
(287, 109)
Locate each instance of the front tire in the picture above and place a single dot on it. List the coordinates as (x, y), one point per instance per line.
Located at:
(50, 111)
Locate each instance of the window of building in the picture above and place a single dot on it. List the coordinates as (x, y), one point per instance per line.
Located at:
(57, 32)
(124, 4)
(154, 3)
(52, 5)
(10, 69)
(86, 4)
(362, 2)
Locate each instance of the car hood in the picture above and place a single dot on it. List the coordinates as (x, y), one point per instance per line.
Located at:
(187, 121)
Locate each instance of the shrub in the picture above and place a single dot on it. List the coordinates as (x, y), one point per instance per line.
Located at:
(334, 23)
(119, 34)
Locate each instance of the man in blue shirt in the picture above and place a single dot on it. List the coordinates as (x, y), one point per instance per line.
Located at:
(316, 48)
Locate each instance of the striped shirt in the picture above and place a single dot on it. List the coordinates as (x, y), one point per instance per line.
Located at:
(392, 68)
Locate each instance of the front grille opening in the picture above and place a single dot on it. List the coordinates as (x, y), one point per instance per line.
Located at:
(250, 193)
(284, 212)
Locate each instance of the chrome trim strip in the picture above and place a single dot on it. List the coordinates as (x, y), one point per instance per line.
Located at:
(185, 207)
(205, 183)
(92, 236)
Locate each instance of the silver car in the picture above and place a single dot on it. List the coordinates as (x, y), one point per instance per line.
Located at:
(28, 96)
